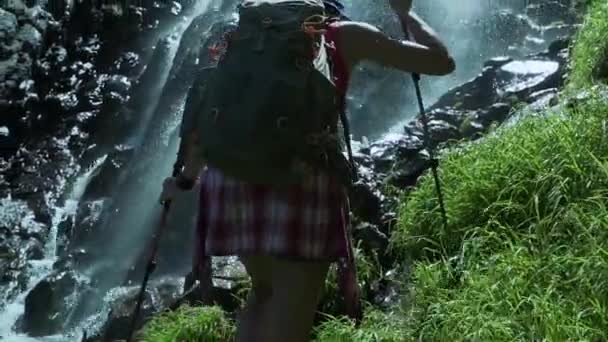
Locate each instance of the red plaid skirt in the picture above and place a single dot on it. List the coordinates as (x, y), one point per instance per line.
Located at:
(304, 221)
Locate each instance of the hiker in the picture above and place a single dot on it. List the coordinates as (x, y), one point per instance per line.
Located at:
(274, 180)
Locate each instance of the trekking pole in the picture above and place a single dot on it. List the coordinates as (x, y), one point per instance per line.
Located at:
(427, 141)
(151, 265)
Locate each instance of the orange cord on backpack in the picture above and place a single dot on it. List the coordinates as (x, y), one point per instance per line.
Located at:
(216, 50)
(315, 25)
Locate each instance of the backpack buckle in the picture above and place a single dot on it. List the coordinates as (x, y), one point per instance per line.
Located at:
(215, 114)
(282, 122)
(302, 64)
(266, 22)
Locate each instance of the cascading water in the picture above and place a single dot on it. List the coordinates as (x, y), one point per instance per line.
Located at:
(132, 212)
(40, 268)
(12, 311)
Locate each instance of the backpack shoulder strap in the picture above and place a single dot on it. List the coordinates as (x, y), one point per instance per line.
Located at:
(193, 102)
(341, 76)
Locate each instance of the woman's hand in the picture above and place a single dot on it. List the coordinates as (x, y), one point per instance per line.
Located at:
(401, 7)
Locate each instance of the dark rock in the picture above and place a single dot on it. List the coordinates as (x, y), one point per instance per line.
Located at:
(119, 85)
(127, 63)
(559, 31)
(49, 303)
(59, 9)
(497, 62)
(59, 103)
(8, 26)
(546, 12)
(31, 39)
(104, 178)
(87, 48)
(365, 201)
(157, 297)
(85, 223)
(542, 99)
(441, 131)
(405, 172)
(21, 239)
(496, 113)
(371, 238)
(523, 77)
(388, 290)
(393, 147)
(449, 115)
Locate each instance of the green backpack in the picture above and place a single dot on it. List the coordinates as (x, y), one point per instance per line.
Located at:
(269, 109)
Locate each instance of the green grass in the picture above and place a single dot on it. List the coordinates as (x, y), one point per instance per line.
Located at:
(591, 46)
(376, 327)
(189, 324)
(525, 255)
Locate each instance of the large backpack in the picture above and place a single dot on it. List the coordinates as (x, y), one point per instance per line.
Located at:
(269, 108)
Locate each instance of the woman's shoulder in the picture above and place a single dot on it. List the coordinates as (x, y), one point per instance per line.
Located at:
(353, 38)
(350, 27)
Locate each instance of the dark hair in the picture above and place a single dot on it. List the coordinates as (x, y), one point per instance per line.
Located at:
(334, 8)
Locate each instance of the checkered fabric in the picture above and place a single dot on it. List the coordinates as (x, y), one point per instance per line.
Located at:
(304, 221)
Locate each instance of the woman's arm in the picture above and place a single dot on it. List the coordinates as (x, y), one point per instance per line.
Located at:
(360, 41)
(421, 33)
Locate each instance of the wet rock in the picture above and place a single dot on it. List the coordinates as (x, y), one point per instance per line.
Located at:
(59, 9)
(127, 63)
(542, 99)
(21, 239)
(558, 31)
(546, 12)
(388, 291)
(405, 172)
(8, 26)
(79, 229)
(370, 237)
(104, 179)
(392, 147)
(365, 201)
(49, 303)
(31, 39)
(87, 48)
(118, 85)
(523, 77)
(497, 112)
(159, 295)
(441, 131)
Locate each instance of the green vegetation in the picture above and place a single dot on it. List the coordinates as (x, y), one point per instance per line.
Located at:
(590, 53)
(377, 327)
(525, 256)
(189, 324)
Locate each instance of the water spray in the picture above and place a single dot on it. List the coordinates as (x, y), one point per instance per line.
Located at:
(151, 265)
